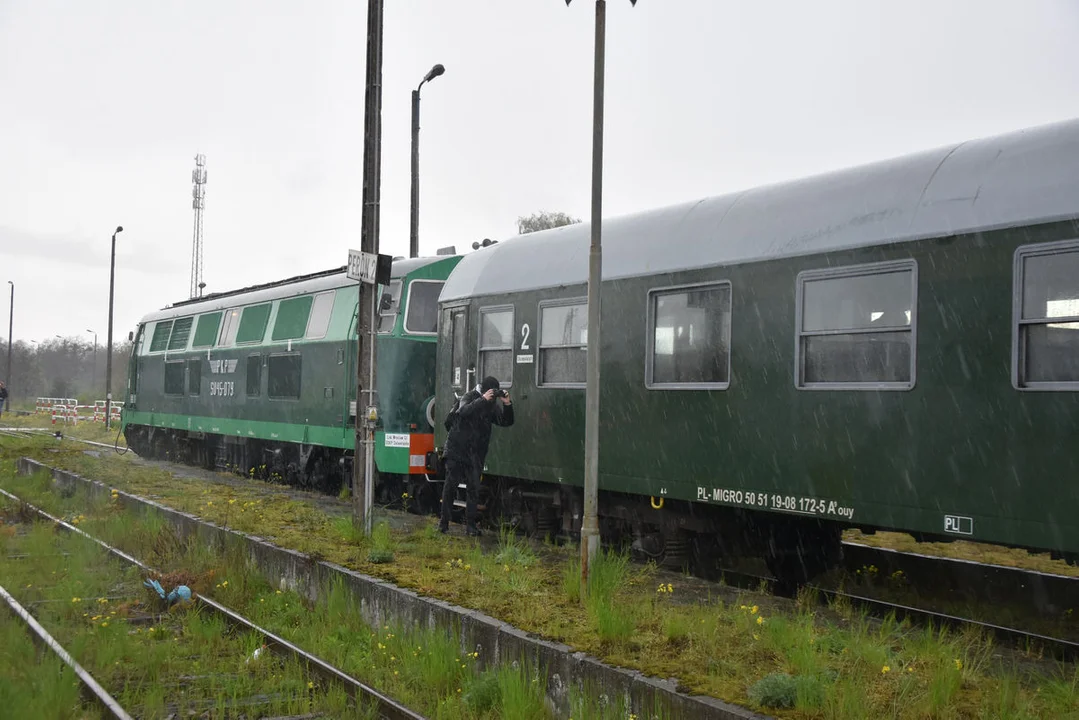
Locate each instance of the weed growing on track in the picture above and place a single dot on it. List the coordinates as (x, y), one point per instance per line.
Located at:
(843, 664)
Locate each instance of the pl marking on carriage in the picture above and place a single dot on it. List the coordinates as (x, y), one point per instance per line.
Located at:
(959, 524)
(776, 501)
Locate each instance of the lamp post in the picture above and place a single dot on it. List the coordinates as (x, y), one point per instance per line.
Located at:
(108, 352)
(10, 339)
(414, 235)
(94, 376)
(590, 520)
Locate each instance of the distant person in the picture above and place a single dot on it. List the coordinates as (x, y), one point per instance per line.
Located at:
(469, 424)
(3, 396)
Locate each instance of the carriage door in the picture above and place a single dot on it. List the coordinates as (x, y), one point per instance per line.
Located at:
(460, 370)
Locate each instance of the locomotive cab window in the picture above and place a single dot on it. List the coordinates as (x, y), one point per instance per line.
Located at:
(388, 304)
(1046, 312)
(421, 309)
(856, 327)
(283, 377)
(690, 343)
(496, 344)
(181, 332)
(563, 344)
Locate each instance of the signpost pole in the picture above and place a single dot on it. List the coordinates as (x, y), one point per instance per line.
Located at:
(362, 465)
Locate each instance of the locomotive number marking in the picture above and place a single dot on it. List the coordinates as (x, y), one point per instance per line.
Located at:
(775, 501)
(222, 388)
(525, 333)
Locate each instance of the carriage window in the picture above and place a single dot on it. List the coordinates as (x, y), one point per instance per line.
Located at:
(229, 325)
(388, 304)
(496, 345)
(174, 378)
(206, 330)
(181, 331)
(254, 375)
(563, 344)
(459, 330)
(320, 316)
(194, 377)
(856, 327)
(160, 340)
(1048, 317)
(421, 316)
(283, 376)
(691, 337)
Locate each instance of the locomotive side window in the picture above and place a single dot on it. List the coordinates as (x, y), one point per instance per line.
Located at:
(160, 340)
(320, 316)
(496, 344)
(174, 377)
(421, 309)
(292, 317)
(206, 330)
(856, 327)
(1046, 313)
(387, 306)
(229, 325)
(283, 377)
(254, 375)
(691, 337)
(181, 331)
(563, 342)
(253, 324)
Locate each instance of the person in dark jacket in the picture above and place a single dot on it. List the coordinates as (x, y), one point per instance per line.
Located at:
(3, 397)
(466, 446)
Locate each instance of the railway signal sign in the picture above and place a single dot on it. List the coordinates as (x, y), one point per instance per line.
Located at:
(370, 268)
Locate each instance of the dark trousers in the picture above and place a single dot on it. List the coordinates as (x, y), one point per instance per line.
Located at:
(458, 472)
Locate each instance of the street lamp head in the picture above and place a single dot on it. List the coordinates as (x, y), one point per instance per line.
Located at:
(119, 228)
(435, 72)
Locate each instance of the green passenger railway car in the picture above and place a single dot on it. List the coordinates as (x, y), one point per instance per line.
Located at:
(894, 346)
(262, 380)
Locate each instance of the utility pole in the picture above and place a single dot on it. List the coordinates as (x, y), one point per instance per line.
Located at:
(590, 539)
(363, 459)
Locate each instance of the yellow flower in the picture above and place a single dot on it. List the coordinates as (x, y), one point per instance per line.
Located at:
(760, 619)
(310, 684)
(884, 670)
(75, 599)
(958, 664)
(105, 624)
(753, 610)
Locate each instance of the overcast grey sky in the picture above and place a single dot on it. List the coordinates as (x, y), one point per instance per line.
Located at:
(104, 104)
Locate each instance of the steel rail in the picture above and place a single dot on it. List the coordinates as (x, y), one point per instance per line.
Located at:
(388, 708)
(89, 685)
(1062, 649)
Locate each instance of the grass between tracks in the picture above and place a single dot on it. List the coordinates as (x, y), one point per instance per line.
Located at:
(758, 652)
(155, 664)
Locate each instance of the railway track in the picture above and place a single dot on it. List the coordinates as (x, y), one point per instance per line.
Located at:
(359, 693)
(944, 579)
(91, 688)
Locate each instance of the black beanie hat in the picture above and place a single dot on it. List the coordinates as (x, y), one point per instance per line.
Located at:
(489, 383)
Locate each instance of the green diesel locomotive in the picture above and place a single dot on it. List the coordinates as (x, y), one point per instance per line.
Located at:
(262, 380)
(894, 346)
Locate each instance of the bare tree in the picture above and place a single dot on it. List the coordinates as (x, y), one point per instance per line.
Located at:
(544, 220)
(63, 367)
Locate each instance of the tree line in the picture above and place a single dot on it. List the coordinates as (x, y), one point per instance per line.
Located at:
(64, 368)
